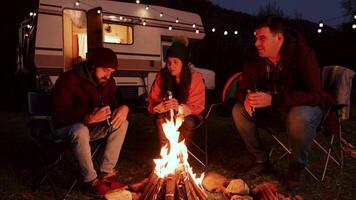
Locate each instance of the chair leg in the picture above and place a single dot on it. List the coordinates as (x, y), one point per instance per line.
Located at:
(206, 144)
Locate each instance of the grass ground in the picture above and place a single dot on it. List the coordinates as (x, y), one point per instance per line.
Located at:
(227, 156)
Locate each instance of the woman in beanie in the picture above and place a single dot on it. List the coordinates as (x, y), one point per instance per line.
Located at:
(187, 89)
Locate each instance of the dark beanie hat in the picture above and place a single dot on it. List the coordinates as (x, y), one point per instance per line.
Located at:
(102, 57)
(178, 50)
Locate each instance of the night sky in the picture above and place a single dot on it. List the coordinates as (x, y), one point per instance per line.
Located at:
(330, 11)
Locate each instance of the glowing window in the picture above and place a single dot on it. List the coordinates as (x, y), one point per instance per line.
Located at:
(118, 34)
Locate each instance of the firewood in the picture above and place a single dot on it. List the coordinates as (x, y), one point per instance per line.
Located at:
(152, 182)
(182, 195)
(188, 188)
(156, 190)
(138, 186)
(199, 191)
(170, 186)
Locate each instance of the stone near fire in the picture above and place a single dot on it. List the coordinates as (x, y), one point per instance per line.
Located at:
(240, 197)
(214, 182)
(119, 194)
(237, 186)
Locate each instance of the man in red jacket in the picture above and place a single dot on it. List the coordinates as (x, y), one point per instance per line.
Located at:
(85, 109)
(282, 86)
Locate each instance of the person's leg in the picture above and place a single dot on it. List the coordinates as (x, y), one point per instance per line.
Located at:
(248, 132)
(188, 127)
(302, 122)
(78, 135)
(159, 120)
(113, 147)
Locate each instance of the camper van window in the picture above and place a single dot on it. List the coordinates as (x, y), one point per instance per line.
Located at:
(117, 34)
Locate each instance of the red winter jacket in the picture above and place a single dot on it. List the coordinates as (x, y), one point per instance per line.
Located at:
(75, 95)
(196, 97)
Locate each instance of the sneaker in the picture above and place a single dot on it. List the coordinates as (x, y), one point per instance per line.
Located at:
(96, 188)
(257, 169)
(294, 181)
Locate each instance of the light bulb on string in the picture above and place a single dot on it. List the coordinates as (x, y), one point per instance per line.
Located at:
(98, 11)
(77, 3)
(121, 18)
(225, 33)
(161, 14)
(137, 1)
(197, 31)
(319, 30)
(170, 28)
(236, 32)
(353, 26)
(144, 22)
(321, 24)
(147, 7)
(31, 14)
(213, 30)
(194, 25)
(177, 20)
(354, 16)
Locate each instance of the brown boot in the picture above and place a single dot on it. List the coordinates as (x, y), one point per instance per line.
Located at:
(295, 177)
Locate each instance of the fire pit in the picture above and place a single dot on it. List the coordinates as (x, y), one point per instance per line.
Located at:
(173, 178)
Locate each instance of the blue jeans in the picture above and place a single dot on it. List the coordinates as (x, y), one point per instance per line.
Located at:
(80, 135)
(301, 125)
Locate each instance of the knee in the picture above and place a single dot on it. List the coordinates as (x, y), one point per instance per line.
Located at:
(190, 121)
(79, 132)
(238, 111)
(299, 115)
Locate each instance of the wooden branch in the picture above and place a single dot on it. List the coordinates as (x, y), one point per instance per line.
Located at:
(152, 182)
(171, 186)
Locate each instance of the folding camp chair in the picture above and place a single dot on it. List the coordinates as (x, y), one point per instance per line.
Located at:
(202, 149)
(49, 151)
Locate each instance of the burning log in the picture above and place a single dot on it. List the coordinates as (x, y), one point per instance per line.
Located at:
(174, 186)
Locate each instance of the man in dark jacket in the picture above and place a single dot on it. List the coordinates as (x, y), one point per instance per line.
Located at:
(85, 109)
(281, 86)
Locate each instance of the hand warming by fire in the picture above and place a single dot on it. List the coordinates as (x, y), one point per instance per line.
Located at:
(173, 177)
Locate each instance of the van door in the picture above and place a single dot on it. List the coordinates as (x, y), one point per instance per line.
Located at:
(74, 37)
(95, 28)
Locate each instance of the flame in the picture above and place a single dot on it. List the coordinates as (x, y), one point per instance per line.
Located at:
(174, 155)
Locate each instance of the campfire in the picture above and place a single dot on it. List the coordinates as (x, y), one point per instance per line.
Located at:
(173, 178)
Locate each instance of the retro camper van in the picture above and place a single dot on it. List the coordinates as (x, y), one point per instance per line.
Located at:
(139, 35)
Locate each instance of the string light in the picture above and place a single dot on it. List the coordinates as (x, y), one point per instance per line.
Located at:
(98, 11)
(31, 14)
(197, 31)
(77, 3)
(161, 14)
(319, 30)
(34, 14)
(194, 25)
(170, 28)
(354, 16)
(121, 18)
(177, 20)
(137, 1)
(147, 7)
(236, 32)
(321, 24)
(225, 33)
(353, 26)
(144, 22)
(29, 26)
(213, 30)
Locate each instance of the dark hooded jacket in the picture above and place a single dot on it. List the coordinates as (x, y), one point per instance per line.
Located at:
(76, 94)
(300, 81)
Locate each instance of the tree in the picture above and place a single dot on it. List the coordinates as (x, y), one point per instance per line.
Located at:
(349, 7)
(270, 9)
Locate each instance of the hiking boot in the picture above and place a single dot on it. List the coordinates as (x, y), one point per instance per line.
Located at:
(257, 169)
(294, 180)
(109, 180)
